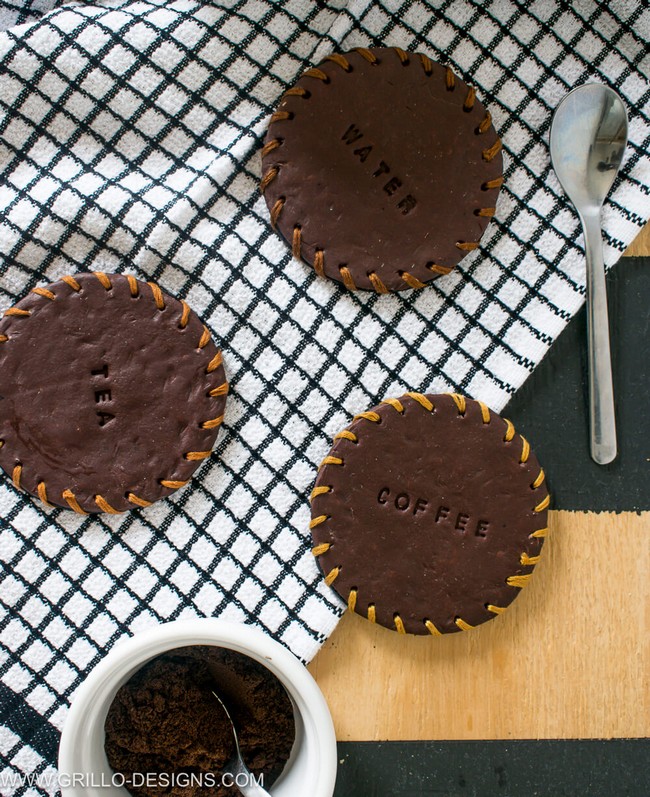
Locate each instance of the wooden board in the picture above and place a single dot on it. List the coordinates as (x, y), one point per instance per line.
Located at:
(569, 659)
(640, 247)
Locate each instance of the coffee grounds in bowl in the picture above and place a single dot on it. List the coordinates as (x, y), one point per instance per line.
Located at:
(168, 735)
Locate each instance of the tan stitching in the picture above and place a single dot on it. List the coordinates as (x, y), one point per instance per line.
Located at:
(459, 401)
(172, 484)
(347, 278)
(185, 315)
(274, 143)
(431, 628)
(510, 431)
(525, 450)
(319, 491)
(194, 455)
(133, 285)
(373, 417)
(538, 481)
(486, 213)
(437, 269)
(268, 178)
(529, 560)
(540, 533)
(422, 400)
(133, 498)
(331, 577)
(410, 280)
(490, 153)
(317, 521)
(543, 504)
(467, 246)
(319, 550)
(214, 363)
(319, 264)
(399, 625)
(103, 504)
(69, 496)
(377, 284)
(103, 278)
(495, 609)
(16, 474)
(212, 423)
(427, 64)
(372, 613)
(296, 91)
(485, 124)
(42, 493)
(352, 600)
(157, 295)
(296, 244)
(364, 52)
(469, 99)
(204, 339)
(341, 60)
(281, 116)
(222, 390)
(462, 624)
(489, 184)
(45, 293)
(330, 460)
(485, 412)
(396, 404)
(16, 311)
(276, 210)
(402, 55)
(318, 74)
(450, 79)
(518, 581)
(346, 434)
(72, 282)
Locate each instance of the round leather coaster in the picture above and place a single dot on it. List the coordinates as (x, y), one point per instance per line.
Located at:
(429, 514)
(111, 393)
(381, 168)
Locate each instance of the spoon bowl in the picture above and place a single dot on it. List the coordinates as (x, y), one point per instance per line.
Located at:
(588, 138)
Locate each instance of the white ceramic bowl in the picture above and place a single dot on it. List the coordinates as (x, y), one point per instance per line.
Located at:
(83, 766)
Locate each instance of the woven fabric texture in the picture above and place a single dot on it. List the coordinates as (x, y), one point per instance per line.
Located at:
(130, 136)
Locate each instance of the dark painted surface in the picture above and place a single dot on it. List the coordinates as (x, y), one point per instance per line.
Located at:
(594, 768)
(550, 410)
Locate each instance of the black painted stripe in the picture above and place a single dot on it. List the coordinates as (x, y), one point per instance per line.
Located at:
(28, 725)
(551, 408)
(546, 768)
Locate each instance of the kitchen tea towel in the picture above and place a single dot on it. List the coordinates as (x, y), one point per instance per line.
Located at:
(130, 133)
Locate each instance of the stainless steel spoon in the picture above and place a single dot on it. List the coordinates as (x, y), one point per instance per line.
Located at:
(588, 138)
(240, 774)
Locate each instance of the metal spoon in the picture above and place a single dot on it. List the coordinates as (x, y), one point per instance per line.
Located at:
(588, 138)
(241, 775)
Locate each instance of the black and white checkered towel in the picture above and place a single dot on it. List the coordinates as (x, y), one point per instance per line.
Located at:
(130, 134)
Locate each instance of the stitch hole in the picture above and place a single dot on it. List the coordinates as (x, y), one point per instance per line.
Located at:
(491, 184)
(402, 55)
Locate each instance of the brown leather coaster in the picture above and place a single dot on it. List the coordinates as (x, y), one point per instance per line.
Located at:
(429, 514)
(111, 393)
(381, 168)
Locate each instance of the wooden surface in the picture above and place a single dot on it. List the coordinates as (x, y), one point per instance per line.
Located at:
(569, 659)
(640, 247)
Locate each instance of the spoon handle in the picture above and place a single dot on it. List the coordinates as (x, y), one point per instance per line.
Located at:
(601, 390)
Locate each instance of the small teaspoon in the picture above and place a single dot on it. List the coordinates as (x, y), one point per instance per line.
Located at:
(588, 139)
(240, 773)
